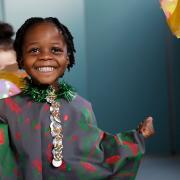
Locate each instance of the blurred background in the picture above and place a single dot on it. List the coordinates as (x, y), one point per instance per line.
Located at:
(127, 65)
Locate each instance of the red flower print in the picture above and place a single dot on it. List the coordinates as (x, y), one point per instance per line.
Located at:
(132, 146)
(13, 105)
(37, 126)
(74, 138)
(112, 159)
(88, 166)
(46, 107)
(66, 117)
(18, 135)
(1, 136)
(38, 165)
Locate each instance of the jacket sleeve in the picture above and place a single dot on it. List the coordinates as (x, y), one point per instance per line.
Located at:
(7, 158)
(123, 153)
(112, 156)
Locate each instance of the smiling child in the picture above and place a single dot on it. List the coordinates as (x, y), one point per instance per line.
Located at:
(48, 131)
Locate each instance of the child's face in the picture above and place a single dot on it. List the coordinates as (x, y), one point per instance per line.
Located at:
(45, 56)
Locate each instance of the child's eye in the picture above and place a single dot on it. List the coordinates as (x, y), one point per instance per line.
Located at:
(56, 50)
(34, 50)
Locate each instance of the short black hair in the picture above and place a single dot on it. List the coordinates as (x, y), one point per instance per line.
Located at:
(20, 35)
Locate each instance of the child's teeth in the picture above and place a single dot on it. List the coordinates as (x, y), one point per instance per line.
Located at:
(45, 69)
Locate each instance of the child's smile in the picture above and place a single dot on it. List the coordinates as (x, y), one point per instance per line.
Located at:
(45, 69)
(45, 53)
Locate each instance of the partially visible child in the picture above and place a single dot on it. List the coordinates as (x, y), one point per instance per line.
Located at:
(10, 75)
(49, 131)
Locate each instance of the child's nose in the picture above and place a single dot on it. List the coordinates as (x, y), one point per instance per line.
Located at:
(45, 55)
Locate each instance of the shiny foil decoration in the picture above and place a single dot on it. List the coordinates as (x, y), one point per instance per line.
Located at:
(39, 93)
(7, 88)
(10, 83)
(56, 128)
(171, 9)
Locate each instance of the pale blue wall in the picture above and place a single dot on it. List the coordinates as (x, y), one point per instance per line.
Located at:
(127, 68)
(1, 10)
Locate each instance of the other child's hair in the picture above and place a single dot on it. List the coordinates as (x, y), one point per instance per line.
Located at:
(6, 33)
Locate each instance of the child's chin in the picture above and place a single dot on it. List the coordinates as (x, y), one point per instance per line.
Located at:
(44, 82)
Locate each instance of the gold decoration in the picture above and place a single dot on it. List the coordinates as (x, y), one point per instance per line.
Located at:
(56, 128)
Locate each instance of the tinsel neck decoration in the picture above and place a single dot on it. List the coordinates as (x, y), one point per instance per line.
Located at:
(39, 92)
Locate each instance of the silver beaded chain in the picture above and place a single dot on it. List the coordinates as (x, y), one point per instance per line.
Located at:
(56, 129)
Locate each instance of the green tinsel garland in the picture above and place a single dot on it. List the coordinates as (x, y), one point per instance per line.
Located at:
(39, 93)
